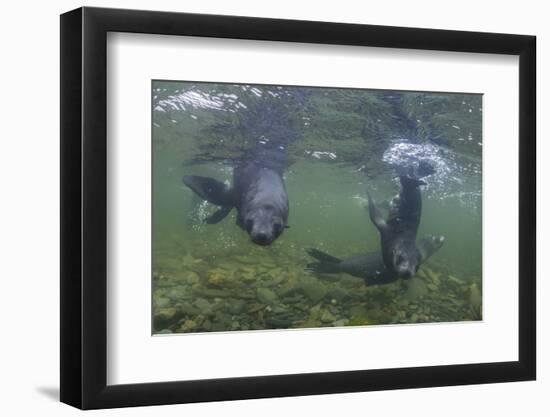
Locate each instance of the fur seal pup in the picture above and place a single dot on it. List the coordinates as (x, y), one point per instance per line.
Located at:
(398, 231)
(370, 266)
(258, 192)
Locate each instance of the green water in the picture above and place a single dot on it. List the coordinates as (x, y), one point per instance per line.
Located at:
(340, 143)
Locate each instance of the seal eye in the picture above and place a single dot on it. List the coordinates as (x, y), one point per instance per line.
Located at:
(277, 228)
(249, 225)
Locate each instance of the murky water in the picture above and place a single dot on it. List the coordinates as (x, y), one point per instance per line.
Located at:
(339, 144)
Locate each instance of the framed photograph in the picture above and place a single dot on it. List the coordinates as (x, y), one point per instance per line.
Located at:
(257, 208)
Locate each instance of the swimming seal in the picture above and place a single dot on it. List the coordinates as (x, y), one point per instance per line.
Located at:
(398, 231)
(258, 192)
(370, 266)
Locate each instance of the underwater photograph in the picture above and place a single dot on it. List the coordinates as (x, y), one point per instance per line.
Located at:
(293, 207)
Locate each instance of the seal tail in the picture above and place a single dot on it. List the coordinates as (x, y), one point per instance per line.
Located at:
(326, 264)
(209, 189)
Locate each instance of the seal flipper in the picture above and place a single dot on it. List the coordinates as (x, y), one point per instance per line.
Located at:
(219, 215)
(327, 264)
(211, 190)
(322, 256)
(375, 214)
(428, 245)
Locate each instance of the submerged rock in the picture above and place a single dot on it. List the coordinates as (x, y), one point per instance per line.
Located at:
(266, 296)
(475, 296)
(276, 277)
(188, 325)
(219, 327)
(186, 278)
(187, 308)
(327, 317)
(286, 290)
(279, 322)
(378, 316)
(164, 316)
(204, 306)
(433, 276)
(245, 259)
(339, 294)
(313, 289)
(416, 289)
(235, 306)
(358, 311)
(162, 302)
(212, 293)
(455, 280)
(178, 292)
(166, 313)
(351, 281)
(220, 278)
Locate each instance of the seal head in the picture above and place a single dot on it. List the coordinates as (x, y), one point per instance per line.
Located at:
(264, 224)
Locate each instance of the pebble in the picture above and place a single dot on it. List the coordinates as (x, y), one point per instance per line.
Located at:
(358, 311)
(279, 322)
(266, 296)
(188, 325)
(475, 296)
(313, 290)
(191, 277)
(218, 327)
(339, 294)
(259, 291)
(455, 280)
(162, 302)
(212, 293)
(235, 306)
(203, 305)
(166, 313)
(416, 289)
(327, 317)
(187, 308)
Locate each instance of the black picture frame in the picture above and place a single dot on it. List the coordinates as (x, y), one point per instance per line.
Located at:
(84, 207)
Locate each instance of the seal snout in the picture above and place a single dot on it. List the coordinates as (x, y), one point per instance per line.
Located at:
(405, 267)
(406, 272)
(261, 238)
